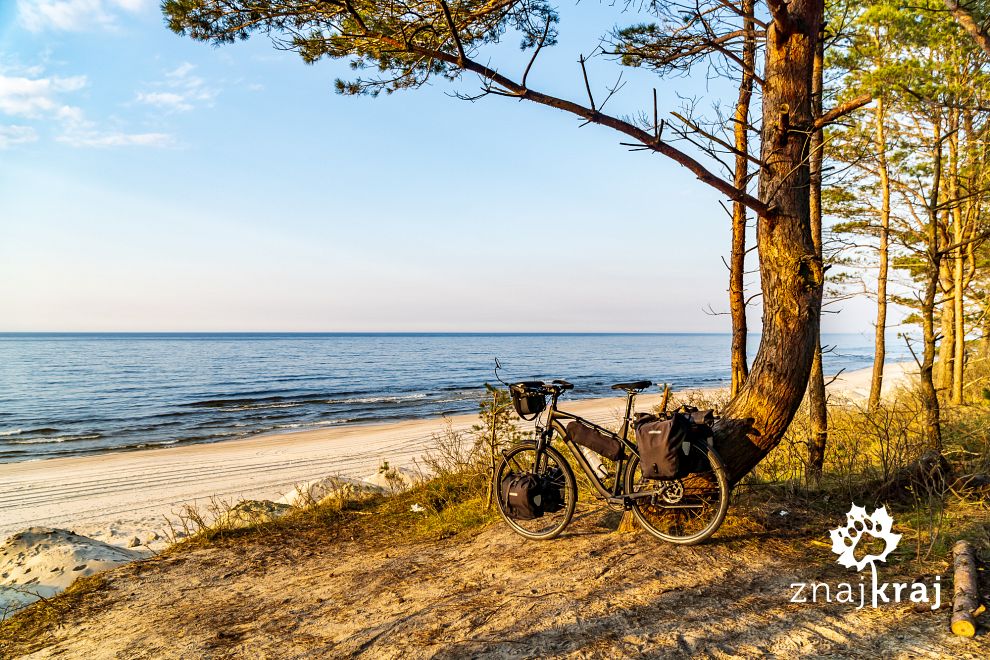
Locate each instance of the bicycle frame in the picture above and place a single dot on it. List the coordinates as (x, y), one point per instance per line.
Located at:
(553, 424)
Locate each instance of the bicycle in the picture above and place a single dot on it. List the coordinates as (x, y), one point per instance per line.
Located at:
(684, 511)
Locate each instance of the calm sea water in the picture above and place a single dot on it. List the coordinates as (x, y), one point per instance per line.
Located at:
(75, 394)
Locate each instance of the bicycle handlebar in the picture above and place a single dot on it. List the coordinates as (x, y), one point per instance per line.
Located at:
(541, 387)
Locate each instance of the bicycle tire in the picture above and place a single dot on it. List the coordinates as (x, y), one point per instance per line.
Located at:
(570, 490)
(640, 510)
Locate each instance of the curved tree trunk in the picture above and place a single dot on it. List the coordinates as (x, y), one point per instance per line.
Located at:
(791, 271)
(737, 259)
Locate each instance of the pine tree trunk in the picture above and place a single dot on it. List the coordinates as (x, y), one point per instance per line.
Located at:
(959, 334)
(929, 396)
(737, 259)
(959, 329)
(947, 345)
(879, 341)
(791, 271)
(817, 402)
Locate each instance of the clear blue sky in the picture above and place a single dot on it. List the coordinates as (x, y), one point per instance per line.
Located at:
(149, 182)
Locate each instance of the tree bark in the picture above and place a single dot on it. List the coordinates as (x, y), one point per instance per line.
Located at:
(947, 345)
(817, 402)
(880, 340)
(929, 396)
(959, 334)
(966, 20)
(965, 589)
(737, 259)
(791, 271)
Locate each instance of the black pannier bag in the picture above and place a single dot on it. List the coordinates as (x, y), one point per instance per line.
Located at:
(664, 449)
(659, 443)
(595, 440)
(528, 399)
(522, 495)
(553, 490)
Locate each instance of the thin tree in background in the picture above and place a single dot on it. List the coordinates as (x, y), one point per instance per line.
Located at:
(817, 401)
(723, 39)
(740, 216)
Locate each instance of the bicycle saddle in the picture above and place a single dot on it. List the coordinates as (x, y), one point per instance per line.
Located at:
(635, 386)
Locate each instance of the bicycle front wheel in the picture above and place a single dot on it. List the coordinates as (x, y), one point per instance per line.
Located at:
(682, 511)
(521, 458)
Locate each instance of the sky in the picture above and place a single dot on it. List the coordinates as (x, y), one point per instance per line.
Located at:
(152, 183)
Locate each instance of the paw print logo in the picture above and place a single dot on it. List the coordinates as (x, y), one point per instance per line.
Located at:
(845, 539)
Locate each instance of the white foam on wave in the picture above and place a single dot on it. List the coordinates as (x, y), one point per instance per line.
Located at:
(380, 399)
(58, 438)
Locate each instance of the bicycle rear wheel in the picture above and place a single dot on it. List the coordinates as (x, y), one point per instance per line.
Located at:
(521, 458)
(682, 511)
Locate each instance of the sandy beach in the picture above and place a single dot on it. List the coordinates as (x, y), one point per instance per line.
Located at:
(116, 497)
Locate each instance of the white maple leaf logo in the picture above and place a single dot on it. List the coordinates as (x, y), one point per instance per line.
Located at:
(845, 539)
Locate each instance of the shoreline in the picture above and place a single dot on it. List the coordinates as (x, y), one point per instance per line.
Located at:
(116, 496)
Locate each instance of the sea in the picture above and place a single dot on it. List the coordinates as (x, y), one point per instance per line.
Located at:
(82, 394)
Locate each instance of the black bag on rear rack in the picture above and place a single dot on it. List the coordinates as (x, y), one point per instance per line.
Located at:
(595, 440)
(522, 495)
(665, 449)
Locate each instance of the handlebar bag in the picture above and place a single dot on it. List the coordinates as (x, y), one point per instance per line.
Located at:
(528, 399)
(595, 440)
(522, 496)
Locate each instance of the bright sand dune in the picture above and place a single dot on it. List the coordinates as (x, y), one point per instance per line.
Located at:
(119, 496)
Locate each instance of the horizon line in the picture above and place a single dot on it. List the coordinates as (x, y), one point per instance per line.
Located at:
(379, 332)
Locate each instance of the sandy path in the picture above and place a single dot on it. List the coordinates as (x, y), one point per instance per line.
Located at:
(114, 497)
(590, 594)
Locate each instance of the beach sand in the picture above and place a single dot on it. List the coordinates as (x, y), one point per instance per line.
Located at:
(118, 496)
(123, 498)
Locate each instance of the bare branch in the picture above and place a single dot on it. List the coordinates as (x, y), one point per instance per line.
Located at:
(539, 47)
(587, 85)
(841, 110)
(453, 31)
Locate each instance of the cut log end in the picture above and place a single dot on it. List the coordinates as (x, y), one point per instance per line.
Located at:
(964, 627)
(966, 594)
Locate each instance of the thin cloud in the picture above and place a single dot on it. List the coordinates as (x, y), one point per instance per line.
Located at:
(21, 96)
(14, 135)
(45, 99)
(180, 91)
(77, 131)
(104, 139)
(166, 100)
(75, 15)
